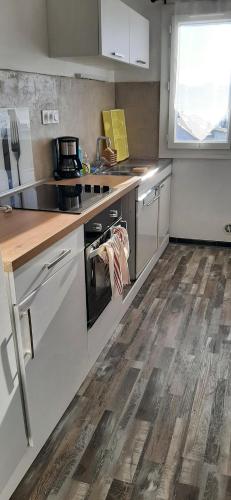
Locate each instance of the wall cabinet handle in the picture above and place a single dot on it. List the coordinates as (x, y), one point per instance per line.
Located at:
(118, 54)
(58, 259)
(141, 61)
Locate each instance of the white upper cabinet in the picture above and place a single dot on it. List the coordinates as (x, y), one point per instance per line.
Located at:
(98, 30)
(139, 40)
(115, 26)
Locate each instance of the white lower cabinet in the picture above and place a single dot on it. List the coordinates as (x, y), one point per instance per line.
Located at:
(164, 209)
(13, 439)
(51, 331)
(147, 229)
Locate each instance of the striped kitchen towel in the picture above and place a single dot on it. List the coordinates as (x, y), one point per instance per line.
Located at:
(115, 254)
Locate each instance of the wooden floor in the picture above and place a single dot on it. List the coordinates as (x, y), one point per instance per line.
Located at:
(153, 421)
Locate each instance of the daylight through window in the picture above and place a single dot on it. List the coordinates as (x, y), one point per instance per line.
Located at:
(200, 84)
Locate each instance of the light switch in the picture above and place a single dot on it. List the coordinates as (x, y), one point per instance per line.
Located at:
(50, 116)
(44, 117)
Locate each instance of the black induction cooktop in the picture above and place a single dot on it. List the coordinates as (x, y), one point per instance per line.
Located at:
(55, 198)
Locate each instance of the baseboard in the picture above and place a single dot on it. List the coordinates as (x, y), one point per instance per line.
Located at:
(211, 243)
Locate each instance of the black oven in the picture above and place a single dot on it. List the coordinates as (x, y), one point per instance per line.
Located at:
(98, 286)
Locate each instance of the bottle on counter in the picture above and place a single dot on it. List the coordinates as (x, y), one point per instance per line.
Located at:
(80, 154)
(86, 164)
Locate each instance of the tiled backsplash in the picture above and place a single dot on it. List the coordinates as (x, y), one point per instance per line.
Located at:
(79, 102)
(141, 102)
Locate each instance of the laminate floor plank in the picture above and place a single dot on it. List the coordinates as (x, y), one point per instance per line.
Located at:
(152, 421)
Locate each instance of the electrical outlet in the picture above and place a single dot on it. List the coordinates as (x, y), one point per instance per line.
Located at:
(56, 116)
(50, 116)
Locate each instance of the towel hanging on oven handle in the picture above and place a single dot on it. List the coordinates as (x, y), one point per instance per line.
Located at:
(122, 223)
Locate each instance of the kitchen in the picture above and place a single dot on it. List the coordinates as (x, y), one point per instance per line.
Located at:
(115, 389)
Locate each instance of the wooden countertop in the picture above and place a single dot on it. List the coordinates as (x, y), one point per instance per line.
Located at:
(24, 233)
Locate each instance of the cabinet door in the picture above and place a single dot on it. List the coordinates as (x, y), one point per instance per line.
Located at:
(13, 440)
(115, 20)
(147, 231)
(53, 329)
(139, 40)
(164, 214)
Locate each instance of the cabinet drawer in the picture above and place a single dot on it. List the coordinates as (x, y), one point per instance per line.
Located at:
(43, 266)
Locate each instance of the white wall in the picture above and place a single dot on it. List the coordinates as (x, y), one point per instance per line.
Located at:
(129, 74)
(201, 199)
(24, 41)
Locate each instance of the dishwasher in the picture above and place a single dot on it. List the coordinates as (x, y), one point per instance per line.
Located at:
(147, 210)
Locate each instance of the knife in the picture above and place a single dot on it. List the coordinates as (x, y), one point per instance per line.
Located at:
(6, 154)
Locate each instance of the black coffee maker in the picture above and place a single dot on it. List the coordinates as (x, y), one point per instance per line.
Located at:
(67, 164)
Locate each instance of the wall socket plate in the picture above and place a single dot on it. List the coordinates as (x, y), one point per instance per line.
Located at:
(50, 116)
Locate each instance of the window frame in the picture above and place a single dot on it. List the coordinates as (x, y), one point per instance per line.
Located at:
(178, 20)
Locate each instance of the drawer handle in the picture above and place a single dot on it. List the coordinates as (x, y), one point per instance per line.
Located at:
(155, 198)
(25, 397)
(118, 54)
(58, 259)
(9, 377)
(29, 352)
(140, 61)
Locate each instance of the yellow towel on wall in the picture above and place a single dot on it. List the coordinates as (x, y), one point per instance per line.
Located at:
(115, 128)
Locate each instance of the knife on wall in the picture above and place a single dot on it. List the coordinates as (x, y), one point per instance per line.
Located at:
(6, 155)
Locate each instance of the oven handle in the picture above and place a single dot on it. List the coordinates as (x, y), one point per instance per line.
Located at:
(94, 253)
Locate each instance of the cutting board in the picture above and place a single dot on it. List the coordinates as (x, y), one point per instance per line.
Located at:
(115, 128)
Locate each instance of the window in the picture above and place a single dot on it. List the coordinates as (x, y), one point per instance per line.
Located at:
(199, 107)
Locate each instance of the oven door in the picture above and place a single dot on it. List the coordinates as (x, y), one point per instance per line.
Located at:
(98, 284)
(99, 291)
